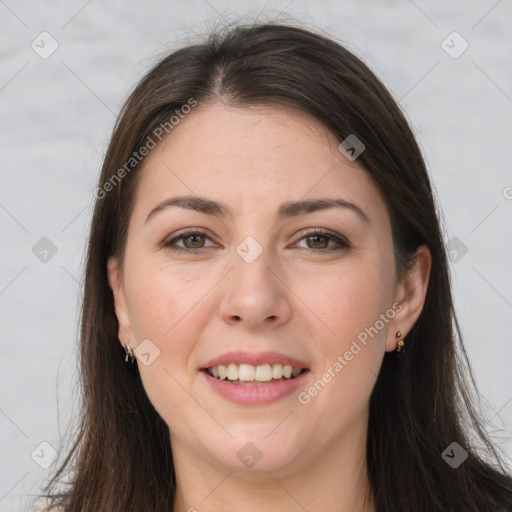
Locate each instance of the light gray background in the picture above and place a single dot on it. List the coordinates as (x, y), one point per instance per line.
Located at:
(57, 113)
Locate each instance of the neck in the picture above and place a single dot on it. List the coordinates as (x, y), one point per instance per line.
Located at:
(335, 479)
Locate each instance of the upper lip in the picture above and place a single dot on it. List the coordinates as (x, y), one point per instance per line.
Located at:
(254, 358)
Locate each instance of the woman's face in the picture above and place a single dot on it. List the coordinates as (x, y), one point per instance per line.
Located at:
(265, 282)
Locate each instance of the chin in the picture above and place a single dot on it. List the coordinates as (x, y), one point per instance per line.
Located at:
(253, 450)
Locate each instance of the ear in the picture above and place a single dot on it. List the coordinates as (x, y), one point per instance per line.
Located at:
(115, 281)
(411, 293)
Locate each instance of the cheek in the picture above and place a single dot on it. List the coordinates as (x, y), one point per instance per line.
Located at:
(355, 307)
(352, 300)
(166, 308)
(162, 298)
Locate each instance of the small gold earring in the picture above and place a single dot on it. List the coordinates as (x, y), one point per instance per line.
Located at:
(129, 357)
(401, 345)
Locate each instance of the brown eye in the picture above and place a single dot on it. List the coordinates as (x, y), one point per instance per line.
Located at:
(195, 241)
(325, 241)
(318, 241)
(191, 241)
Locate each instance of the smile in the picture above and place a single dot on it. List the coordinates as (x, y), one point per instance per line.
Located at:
(250, 375)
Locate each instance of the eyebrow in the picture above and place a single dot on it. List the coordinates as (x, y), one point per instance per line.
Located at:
(286, 210)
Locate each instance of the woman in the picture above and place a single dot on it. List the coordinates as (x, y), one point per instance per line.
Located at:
(267, 320)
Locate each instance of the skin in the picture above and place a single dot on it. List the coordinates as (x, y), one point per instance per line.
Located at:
(307, 305)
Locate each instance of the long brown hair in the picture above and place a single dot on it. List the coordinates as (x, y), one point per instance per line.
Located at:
(121, 459)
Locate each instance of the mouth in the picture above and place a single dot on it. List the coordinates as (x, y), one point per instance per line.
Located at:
(254, 379)
(251, 375)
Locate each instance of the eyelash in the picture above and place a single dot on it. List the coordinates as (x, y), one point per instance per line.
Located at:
(343, 243)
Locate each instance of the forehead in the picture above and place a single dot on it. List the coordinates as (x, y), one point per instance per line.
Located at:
(252, 157)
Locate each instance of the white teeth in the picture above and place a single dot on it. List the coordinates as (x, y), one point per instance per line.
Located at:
(246, 372)
(277, 371)
(263, 373)
(296, 371)
(223, 371)
(232, 371)
(250, 373)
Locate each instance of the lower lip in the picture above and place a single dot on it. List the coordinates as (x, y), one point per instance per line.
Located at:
(255, 395)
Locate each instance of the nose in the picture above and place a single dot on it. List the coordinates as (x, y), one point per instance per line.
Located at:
(255, 294)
